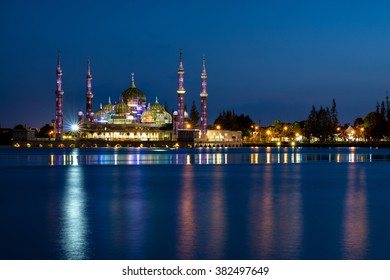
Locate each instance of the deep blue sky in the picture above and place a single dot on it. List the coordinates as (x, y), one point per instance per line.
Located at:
(268, 59)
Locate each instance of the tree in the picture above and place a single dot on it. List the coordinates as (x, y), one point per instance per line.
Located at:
(374, 125)
(166, 108)
(358, 122)
(45, 132)
(230, 121)
(194, 115)
(333, 116)
(321, 123)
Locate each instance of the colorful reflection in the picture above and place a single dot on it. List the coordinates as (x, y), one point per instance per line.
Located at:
(187, 228)
(74, 221)
(355, 215)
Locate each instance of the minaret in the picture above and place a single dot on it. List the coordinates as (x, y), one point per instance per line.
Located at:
(89, 94)
(180, 93)
(59, 99)
(203, 96)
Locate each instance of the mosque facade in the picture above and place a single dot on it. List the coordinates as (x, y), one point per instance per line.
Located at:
(131, 118)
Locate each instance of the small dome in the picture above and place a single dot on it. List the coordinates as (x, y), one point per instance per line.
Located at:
(185, 115)
(81, 113)
(175, 113)
(100, 115)
(121, 108)
(156, 114)
(108, 108)
(157, 107)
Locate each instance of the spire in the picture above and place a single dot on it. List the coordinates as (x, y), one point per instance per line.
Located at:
(58, 62)
(180, 72)
(89, 67)
(204, 78)
(204, 64)
(59, 100)
(203, 96)
(180, 95)
(156, 99)
(181, 59)
(89, 77)
(89, 94)
(132, 80)
(109, 100)
(59, 73)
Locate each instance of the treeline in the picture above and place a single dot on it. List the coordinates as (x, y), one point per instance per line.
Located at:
(230, 121)
(321, 123)
(377, 123)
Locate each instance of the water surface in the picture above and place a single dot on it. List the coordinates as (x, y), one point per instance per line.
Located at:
(129, 203)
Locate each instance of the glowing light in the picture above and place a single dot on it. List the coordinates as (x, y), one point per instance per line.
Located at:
(188, 126)
(74, 127)
(218, 127)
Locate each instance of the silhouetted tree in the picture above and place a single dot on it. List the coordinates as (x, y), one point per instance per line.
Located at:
(321, 123)
(230, 121)
(44, 132)
(194, 114)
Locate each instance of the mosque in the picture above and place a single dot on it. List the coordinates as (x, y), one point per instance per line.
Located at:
(132, 119)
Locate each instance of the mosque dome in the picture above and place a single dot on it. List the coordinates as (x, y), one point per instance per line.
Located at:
(100, 115)
(108, 108)
(133, 95)
(121, 108)
(156, 114)
(157, 107)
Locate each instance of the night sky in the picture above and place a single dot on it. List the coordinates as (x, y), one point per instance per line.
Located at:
(267, 59)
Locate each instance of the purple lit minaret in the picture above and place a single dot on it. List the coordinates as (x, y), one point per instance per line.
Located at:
(89, 94)
(180, 93)
(59, 98)
(203, 96)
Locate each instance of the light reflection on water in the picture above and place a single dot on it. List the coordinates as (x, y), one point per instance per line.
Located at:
(197, 204)
(73, 236)
(355, 220)
(243, 156)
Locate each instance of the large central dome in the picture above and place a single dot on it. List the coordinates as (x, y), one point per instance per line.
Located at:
(132, 95)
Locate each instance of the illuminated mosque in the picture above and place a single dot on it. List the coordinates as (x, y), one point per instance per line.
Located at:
(131, 118)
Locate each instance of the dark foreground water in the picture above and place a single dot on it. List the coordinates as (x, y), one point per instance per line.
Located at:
(195, 204)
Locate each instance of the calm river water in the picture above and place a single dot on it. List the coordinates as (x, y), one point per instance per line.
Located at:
(129, 203)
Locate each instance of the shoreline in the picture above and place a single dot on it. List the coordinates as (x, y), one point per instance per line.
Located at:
(173, 144)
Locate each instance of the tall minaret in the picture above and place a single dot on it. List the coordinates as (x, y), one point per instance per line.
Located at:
(180, 93)
(89, 94)
(59, 98)
(203, 96)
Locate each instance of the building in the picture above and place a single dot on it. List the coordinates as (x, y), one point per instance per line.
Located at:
(131, 118)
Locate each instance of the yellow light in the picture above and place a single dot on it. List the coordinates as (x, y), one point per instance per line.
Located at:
(338, 129)
(218, 127)
(285, 128)
(188, 126)
(257, 127)
(268, 132)
(297, 134)
(362, 129)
